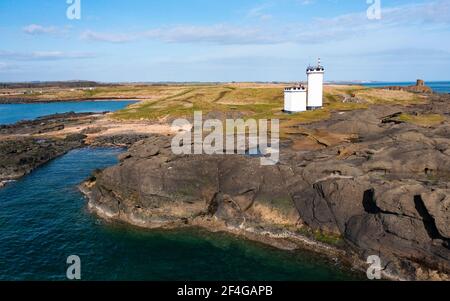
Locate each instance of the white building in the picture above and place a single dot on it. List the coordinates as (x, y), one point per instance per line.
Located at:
(299, 99)
(315, 86)
(295, 99)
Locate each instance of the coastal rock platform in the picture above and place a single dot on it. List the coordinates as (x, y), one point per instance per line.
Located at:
(384, 193)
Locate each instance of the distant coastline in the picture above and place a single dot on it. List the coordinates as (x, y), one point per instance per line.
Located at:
(43, 101)
(436, 86)
(48, 92)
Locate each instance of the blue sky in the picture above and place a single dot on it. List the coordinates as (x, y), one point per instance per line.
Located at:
(223, 40)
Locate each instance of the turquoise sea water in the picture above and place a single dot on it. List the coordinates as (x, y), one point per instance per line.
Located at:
(12, 113)
(438, 87)
(43, 220)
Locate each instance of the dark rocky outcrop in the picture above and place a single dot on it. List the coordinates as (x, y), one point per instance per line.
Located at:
(19, 156)
(384, 194)
(419, 87)
(47, 124)
(121, 140)
(27, 145)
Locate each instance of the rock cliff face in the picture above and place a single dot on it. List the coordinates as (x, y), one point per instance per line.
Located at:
(385, 194)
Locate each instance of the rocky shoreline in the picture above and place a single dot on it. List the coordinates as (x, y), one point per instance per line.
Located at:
(372, 184)
(24, 145)
(27, 145)
(383, 193)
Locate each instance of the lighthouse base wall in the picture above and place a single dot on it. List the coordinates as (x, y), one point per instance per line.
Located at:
(295, 101)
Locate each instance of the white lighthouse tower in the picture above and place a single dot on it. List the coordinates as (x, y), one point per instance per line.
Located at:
(295, 99)
(315, 86)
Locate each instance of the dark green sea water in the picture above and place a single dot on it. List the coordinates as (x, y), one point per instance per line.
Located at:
(43, 220)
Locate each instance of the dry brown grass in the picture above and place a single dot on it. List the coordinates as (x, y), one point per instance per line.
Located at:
(389, 96)
(259, 101)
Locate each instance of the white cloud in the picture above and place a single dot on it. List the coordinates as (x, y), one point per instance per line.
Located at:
(44, 55)
(400, 54)
(319, 31)
(35, 29)
(216, 34)
(108, 37)
(4, 66)
(7, 68)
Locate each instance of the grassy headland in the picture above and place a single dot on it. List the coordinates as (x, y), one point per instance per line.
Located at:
(161, 102)
(255, 101)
